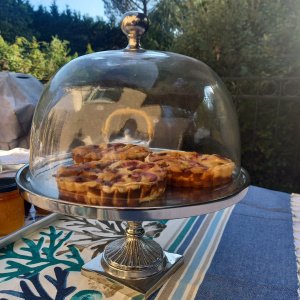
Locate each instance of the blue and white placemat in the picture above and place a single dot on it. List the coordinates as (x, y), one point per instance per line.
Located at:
(46, 264)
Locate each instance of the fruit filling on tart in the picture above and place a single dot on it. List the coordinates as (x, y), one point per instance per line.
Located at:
(77, 178)
(122, 183)
(191, 169)
(125, 174)
(129, 181)
(117, 151)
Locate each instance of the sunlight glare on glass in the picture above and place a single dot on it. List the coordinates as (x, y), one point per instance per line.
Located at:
(208, 97)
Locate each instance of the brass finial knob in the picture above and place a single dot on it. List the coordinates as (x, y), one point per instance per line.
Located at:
(134, 24)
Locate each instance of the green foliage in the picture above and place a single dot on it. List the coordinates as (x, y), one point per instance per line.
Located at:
(115, 8)
(79, 31)
(40, 59)
(15, 19)
(240, 38)
(164, 23)
(89, 49)
(270, 136)
(252, 38)
(18, 18)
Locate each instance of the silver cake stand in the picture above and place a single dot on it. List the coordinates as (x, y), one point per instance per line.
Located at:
(136, 261)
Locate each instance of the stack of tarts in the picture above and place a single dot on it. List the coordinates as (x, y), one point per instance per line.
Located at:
(126, 174)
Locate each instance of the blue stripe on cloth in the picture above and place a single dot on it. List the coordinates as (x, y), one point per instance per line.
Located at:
(187, 239)
(190, 236)
(181, 235)
(153, 296)
(164, 222)
(186, 279)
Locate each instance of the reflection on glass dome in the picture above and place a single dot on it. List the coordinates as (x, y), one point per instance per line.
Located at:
(157, 100)
(208, 97)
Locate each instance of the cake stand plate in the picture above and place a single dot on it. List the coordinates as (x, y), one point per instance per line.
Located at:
(178, 202)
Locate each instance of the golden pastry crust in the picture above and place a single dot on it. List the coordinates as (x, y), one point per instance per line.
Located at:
(122, 183)
(101, 176)
(113, 152)
(191, 169)
(77, 178)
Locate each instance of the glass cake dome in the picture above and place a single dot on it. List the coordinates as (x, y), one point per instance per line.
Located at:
(160, 100)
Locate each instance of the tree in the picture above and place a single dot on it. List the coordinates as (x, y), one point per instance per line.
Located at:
(78, 30)
(115, 8)
(164, 24)
(162, 15)
(40, 59)
(15, 19)
(18, 18)
(246, 37)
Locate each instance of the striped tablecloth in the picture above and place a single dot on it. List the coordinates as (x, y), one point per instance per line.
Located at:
(242, 252)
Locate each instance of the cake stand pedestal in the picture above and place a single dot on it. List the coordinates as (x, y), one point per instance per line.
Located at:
(134, 261)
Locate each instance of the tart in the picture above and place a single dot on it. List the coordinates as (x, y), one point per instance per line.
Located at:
(127, 183)
(73, 180)
(113, 152)
(191, 169)
(115, 175)
(122, 183)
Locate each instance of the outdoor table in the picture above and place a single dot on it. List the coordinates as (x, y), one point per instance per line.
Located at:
(242, 252)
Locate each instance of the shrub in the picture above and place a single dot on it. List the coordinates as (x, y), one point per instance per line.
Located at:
(40, 59)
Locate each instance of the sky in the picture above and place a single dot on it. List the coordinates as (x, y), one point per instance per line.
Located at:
(93, 8)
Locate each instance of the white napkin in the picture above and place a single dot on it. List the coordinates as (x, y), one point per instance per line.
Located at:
(14, 156)
(12, 160)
